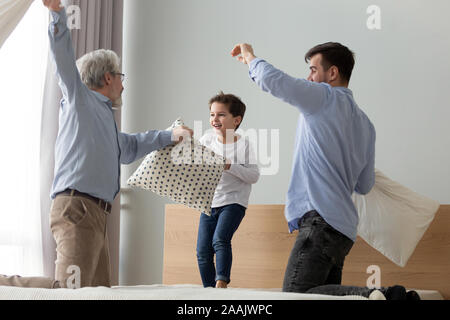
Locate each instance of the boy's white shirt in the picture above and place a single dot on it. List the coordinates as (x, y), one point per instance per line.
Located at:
(235, 184)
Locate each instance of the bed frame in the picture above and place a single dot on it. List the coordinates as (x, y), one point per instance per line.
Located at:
(262, 244)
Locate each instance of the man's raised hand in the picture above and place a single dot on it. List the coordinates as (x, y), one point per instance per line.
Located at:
(54, 5)
(243, 52)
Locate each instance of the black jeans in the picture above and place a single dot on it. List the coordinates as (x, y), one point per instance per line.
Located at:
(317, 259)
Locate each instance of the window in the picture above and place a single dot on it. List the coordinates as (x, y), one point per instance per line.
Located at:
(23, 63)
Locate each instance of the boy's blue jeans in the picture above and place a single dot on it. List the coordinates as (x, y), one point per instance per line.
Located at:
(214, 236)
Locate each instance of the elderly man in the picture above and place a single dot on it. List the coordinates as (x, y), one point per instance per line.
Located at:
(89, 150)
(88, 153)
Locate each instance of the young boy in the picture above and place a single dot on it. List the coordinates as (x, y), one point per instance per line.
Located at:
(232, 193)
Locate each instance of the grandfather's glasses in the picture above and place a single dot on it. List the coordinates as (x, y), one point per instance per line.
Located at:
(122, 76)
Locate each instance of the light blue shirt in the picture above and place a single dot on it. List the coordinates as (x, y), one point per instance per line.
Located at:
(334, 153)
(89, 149)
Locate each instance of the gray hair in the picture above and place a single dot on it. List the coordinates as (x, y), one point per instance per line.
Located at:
(94, 65)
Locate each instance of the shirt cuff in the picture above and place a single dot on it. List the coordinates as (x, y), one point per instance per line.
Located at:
(166, 138)
(59, 21)
(232, 169)
(252, 67)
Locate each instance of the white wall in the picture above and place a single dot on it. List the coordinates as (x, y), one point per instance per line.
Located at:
(176, 56)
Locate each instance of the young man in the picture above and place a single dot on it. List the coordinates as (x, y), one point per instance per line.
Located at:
(89, 150)
(334, 156)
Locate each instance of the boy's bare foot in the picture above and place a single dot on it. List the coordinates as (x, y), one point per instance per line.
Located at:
(221, 284)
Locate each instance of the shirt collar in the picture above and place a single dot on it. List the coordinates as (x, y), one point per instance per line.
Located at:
(346, 90)
(103, 98)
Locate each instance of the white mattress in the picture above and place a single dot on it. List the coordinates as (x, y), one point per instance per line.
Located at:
(173, 292)
(158, 292)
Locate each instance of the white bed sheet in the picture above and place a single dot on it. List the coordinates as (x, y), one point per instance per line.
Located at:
(173, 292)
(158, 292)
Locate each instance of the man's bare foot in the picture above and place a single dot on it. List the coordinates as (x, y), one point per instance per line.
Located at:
(221, 284)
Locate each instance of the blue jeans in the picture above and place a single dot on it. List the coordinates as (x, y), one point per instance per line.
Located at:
(214, 236)
(317, 259)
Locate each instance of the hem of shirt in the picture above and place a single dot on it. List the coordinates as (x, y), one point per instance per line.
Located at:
(293, 225)
(245, 205)
(293, 216)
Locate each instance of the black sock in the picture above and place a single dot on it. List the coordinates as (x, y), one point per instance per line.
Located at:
(395, 293)
(412, 296)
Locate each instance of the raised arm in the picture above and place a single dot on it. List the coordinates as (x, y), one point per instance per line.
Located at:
(307, 96)
(62, 50)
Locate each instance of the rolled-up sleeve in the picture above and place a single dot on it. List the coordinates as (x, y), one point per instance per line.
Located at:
(366, 179)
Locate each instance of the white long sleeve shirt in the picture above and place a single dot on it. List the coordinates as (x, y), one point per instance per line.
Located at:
(236, 184)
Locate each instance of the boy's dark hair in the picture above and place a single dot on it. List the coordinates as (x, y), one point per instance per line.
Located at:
(235, 106)
(334, 54)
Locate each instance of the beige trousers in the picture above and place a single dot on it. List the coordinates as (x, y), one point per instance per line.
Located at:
(79, 228)
(82, 254)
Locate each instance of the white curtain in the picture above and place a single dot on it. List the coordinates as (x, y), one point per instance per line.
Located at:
(29, 127)
(11, 12)
(21, 84)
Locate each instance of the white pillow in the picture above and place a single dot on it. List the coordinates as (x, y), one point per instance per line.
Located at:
(187, 173)
(393, 219)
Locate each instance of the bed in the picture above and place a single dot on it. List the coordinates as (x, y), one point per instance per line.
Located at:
(261, 249)
(262, 244)
(159, 292)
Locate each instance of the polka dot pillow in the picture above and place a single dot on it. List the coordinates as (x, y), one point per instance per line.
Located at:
(187, 173)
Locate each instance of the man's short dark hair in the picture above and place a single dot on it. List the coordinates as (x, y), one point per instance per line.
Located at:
(334, 54)
(235, 106)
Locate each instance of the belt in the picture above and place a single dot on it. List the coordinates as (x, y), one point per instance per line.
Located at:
(106, 206)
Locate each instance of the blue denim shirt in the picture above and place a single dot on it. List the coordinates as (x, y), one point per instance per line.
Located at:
(89, 149)
(334, 153)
